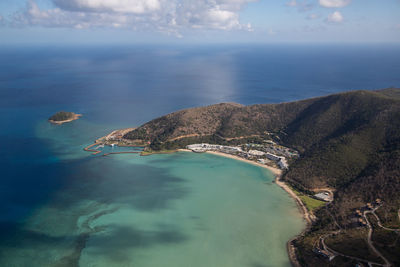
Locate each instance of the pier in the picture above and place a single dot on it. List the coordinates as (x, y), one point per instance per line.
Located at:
(122, 152)
(96, 151)
(89, 149)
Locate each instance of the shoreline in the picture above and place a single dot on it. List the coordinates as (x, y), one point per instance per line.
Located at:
(307, 216)
(275, 171)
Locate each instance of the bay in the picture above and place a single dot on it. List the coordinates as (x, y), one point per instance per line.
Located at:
(60, 206)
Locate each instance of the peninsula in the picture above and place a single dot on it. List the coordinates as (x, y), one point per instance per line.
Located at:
(339, 157)
(63, 117)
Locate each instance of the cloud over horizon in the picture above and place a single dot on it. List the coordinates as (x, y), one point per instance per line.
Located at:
(168, 16)
(334, 3)
(118, 6)
(199, 20)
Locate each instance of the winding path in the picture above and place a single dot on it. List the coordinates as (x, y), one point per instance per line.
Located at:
(384, 227)
(370, 243)
(325, 247)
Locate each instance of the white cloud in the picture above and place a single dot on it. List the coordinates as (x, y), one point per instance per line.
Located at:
(335, 17)
(170, 16)
(334, 3)
(122, 6)
(221, 19)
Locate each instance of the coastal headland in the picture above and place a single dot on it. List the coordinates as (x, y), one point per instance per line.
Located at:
(116, 137)
(338, 156)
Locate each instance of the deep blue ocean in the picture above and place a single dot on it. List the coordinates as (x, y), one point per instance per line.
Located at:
(125, 86)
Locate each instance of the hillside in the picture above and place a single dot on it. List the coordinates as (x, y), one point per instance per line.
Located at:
(349, 142)
(337, 135)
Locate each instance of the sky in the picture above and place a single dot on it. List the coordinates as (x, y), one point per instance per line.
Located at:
(199, 21)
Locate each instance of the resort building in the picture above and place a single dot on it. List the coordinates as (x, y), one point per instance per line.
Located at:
(235, 150)
(256, 153)
(282, 163)
(324, 196)
(209, 147)
(273, 157)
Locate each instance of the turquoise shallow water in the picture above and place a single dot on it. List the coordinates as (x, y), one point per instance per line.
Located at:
(181, 209)
(60, 206)
(220, 212)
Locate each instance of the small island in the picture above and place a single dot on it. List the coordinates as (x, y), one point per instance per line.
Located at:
(63, 117)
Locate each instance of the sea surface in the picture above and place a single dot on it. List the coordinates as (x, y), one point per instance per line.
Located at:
(62, 206)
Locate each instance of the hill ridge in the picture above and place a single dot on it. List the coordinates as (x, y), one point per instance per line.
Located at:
(348, 141)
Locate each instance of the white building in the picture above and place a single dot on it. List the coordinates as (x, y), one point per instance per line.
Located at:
(207, 147)
(230, 149)
(282, 163)
(256, 153)
(325, 196)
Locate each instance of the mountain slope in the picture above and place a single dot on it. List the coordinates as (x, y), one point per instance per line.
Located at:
(339, 136)
(349, 142)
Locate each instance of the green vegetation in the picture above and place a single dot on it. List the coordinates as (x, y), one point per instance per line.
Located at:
(389, 216)
(387, 242)
(349, 142)
(307, 257)
(353, 243)
(311, 203)
(62, 116)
